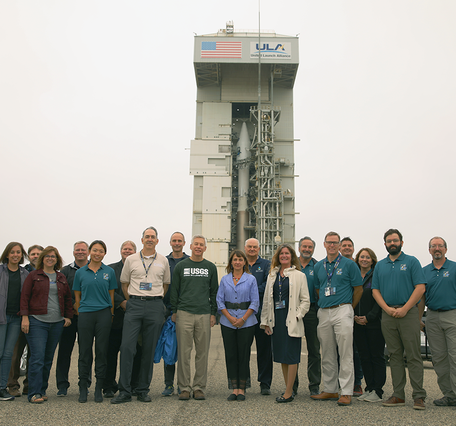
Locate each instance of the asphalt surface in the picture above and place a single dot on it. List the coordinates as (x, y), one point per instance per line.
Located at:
(216, 410)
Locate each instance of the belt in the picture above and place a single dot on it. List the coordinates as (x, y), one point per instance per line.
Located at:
(440, 310)
(336, 306)
(395, 306)
(242, 305)
(146, 297)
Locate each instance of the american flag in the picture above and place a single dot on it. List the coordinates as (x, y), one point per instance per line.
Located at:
(221, 49)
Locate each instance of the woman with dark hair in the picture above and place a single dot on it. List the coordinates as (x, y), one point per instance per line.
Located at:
(94, 286)
(12, 277)
(286, 301)
(46, 307)
(237, 300)
(367, 331)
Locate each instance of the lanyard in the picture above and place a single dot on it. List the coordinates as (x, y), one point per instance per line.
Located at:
(280, 286)
(330, 275)
(142, 259)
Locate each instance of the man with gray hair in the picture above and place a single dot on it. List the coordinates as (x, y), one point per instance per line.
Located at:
(145, 279)
(193, 302)
(110, 386)
(440, 298)
(68, 337)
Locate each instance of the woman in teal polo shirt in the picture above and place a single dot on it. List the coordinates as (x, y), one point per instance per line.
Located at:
(94, 286)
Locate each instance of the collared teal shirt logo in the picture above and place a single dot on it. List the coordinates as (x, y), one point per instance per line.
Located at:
(403, 267)
(339, 271)
(446, 274)
(106, 277)
(311, 272)
(259, 269)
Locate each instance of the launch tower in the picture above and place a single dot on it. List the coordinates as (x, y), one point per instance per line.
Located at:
(242, 156)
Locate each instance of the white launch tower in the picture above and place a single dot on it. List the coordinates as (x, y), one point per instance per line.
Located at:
(242, 157)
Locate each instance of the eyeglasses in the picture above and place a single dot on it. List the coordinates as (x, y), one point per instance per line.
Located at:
(332, 243)
(434, 246)
(393, 241)
(48, 256)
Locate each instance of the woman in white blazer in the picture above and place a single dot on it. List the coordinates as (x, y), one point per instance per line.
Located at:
(286, 301)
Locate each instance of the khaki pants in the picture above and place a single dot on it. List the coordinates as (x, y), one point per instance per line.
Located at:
(404, 334)
(191, 328)
(441, 332)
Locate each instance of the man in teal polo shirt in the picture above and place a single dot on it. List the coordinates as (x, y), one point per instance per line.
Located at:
(440, 298)
(339, 286)
(398, 285)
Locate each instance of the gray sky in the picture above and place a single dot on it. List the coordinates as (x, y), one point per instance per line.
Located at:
(97, 110)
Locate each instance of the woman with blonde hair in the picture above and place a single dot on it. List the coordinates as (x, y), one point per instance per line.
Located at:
(286, 301)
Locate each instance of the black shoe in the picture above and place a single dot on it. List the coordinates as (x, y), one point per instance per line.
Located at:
(143, 397)
(134, 393)
(109, 394)
(98, 396)
(240, 397)
(265, 391)
(232, 397)
(314, 391)
(122, 397)
(82, 394)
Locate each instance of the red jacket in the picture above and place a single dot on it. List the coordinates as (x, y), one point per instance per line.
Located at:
(35, 294)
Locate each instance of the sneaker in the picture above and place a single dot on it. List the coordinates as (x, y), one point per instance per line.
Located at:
(5, 396)
(442, 402)
(364, 395)
(373, 397)
(357, 390)
(62, 392)
(14, 392)
(418, 404)
(393, 402)
(198, 395)
(184, 395)
(169, 390)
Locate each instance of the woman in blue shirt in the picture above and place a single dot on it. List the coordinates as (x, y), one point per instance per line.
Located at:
(237, 300)
(94, 286)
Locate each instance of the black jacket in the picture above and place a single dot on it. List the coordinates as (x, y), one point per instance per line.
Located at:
(367, 306)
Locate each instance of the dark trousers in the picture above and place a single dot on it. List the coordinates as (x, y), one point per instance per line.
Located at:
(115, 340)
(170, 371)
(43, 339)
(93, 325)
(15, 371)
(313, 348)
(358, 368)
(145, 317)
(237, 343)
(371, 346)
(264, 356)
(66, 345)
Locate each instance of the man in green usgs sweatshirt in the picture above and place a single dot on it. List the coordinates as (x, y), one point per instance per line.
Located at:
(193, 302)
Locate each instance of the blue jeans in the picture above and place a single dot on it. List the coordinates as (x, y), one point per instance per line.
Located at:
(42, 338)
(9, 334)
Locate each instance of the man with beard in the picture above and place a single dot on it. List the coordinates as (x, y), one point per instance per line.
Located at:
(441, 318)
(306, 250)
(398, 285)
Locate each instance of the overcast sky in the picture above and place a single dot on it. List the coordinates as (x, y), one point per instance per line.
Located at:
(97, 110)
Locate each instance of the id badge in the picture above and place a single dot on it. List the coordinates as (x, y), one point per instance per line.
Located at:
(328, 291)
(145, 286)
(280, 304)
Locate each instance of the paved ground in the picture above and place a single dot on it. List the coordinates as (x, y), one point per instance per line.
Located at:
(216, 410)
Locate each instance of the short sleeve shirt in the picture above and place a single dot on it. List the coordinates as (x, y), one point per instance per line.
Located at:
(309, 271)
(441, 286)
(134, 273)
(344, 278)
(396, 280)
(94, 287)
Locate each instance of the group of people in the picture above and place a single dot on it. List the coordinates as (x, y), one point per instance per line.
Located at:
(347, 308)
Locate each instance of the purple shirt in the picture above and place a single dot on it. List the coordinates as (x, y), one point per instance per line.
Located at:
(246, 290)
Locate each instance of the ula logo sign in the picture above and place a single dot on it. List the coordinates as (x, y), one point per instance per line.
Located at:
(270, 50)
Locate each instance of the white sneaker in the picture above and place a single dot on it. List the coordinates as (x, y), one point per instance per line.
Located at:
(364, 396)
(373, 397)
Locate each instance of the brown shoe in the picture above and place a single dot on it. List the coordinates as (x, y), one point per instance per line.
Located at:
(394, 402)
(325, 396)
(198, 395)
(418, 404)
(14, 392)
(344, 400)
(184, 396)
